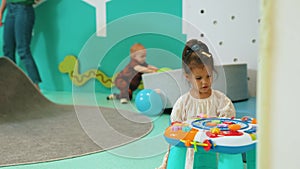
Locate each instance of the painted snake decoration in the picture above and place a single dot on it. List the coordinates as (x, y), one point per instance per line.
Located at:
(70, 65)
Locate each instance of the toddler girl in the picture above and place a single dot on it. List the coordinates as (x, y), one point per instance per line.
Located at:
(198, 67)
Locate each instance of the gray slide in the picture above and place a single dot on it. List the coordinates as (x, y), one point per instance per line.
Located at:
(33, 129)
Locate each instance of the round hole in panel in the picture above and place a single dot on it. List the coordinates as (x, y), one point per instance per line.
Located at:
(202, 35)
(253, 40)
(235, 59)
(221, 43)
(232, 17)
(202, 11)
(258, 20)
(215, 22)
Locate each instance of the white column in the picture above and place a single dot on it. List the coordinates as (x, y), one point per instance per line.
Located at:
(278, 86)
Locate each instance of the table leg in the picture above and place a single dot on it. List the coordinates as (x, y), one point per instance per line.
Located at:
(176, 158)
(251, 159)
(230, 161)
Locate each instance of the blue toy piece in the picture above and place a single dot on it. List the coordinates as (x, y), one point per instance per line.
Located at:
(149, 102)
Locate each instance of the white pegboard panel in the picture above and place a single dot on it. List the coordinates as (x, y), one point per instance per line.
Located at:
(231, 29)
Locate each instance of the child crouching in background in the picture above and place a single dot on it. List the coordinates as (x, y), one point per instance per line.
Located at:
(130, 77)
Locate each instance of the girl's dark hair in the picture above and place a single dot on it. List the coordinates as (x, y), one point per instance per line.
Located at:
(196, 54)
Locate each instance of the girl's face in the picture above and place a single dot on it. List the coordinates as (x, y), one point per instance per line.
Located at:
(201, 81)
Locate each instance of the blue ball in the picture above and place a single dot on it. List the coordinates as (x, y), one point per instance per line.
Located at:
(149, 102)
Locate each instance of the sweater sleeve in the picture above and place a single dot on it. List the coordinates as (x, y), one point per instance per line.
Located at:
(226, 108)
(177, 111)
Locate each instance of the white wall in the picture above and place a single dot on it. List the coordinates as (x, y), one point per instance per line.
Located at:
(278, 86)
(230, 27)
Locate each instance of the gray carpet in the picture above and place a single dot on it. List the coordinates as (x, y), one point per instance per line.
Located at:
(33, 129)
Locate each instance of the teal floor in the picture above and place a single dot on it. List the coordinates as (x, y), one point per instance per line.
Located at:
(137, 155)
(146, 153)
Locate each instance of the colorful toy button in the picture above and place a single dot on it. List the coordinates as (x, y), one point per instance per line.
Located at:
(216, 121)
(176, 128)
(234, 127)
(222, 125)
(215, 131)
(228, 122)
(253, 121)
(253, 136)
(211, 124)
(186, 128)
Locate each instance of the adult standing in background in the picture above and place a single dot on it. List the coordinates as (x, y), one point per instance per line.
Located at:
(17, 34)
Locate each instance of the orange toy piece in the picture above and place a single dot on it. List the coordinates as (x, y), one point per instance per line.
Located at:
(190, 135)
(234, 127)
(187, 143)
(211, 124)
(254, 121)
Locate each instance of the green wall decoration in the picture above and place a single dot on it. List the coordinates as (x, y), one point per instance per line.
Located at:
(70, 66)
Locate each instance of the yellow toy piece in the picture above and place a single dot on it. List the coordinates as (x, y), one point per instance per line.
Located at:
(70, 65)
(164, 69)
(215, 130)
